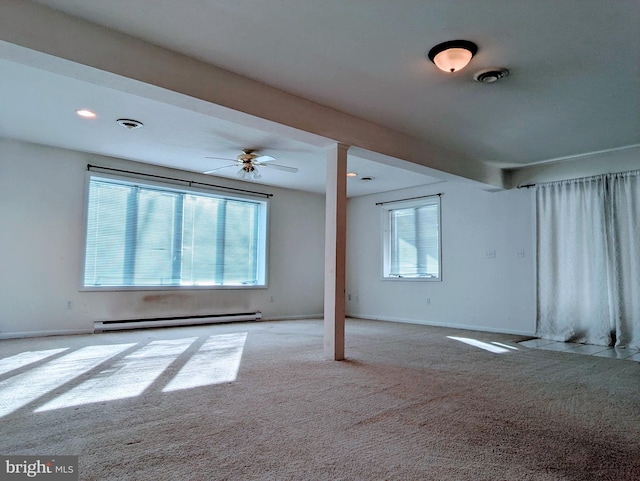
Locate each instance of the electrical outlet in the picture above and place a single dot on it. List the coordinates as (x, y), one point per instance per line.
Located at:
(271, 300)
(520, 253)
(69, 305)
(490, 254)
(428, 301)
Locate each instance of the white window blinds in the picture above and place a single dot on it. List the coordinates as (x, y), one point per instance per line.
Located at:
(412, 240)
(142, 235)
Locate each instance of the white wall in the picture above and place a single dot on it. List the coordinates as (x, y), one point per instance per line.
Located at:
(476, 292)
(41, 241)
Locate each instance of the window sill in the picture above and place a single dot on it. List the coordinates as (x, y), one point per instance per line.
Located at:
(413, 279)
(168, 288)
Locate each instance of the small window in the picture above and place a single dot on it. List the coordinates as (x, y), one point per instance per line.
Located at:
(411, 240)
(142, 235)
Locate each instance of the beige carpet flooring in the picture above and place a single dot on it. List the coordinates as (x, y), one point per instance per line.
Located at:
(410, 403)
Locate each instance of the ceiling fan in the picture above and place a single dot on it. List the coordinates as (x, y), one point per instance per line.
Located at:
(248, 161)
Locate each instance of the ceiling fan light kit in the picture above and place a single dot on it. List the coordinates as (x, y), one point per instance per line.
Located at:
(248, 171)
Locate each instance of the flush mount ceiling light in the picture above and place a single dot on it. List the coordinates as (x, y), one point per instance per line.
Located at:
(453, 55)
(352, 174)
(129, 123)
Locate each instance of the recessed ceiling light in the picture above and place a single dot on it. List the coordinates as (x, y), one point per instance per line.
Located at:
(352, 174)
(87, 114)
(366, 179)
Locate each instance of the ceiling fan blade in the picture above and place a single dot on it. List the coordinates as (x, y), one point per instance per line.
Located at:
(263, 158)
(283, 168)
(219, 168)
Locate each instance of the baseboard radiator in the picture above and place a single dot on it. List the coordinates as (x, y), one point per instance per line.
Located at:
(100, 326)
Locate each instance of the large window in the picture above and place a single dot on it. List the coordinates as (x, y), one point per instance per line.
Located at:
(411, 242)
(149, 236)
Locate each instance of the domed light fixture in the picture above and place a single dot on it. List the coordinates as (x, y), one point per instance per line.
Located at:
(453, 55)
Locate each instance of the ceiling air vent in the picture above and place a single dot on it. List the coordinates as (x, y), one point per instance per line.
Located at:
(490, 75)
(129, 124)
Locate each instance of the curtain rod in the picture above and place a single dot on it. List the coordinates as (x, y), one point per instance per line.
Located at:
(409, 198)
(526, 186)
(190, 182)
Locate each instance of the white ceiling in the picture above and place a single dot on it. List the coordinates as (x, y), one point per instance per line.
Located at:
(41, 109)
(573, 88)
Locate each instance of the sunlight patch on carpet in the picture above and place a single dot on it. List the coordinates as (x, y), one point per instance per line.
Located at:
(482, 345)
(126, 378)
(24, 388)
(216, 362)
(25, 358)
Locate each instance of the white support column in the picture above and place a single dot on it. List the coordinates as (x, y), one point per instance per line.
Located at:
(335, 252)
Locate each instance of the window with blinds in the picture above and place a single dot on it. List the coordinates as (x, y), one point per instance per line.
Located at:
(412, 239)
(151, 236)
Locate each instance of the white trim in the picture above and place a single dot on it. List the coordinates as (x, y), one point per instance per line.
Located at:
(579, 156)
(61, 332)
(318, 317)
(170, 288)
(74, 332)
(423, 322)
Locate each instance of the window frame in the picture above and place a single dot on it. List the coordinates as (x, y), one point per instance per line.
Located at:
(386, 209)
(180, 187)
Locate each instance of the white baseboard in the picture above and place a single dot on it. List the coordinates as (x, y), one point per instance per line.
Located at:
(442, 324)
(320, 316)
(294, 318)
(72, 332)
(62, 332)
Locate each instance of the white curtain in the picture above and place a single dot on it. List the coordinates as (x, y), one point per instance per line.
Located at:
(625, 257)
(589, 260)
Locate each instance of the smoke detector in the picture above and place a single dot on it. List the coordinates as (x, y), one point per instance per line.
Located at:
(129, 123)
(490, 75)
